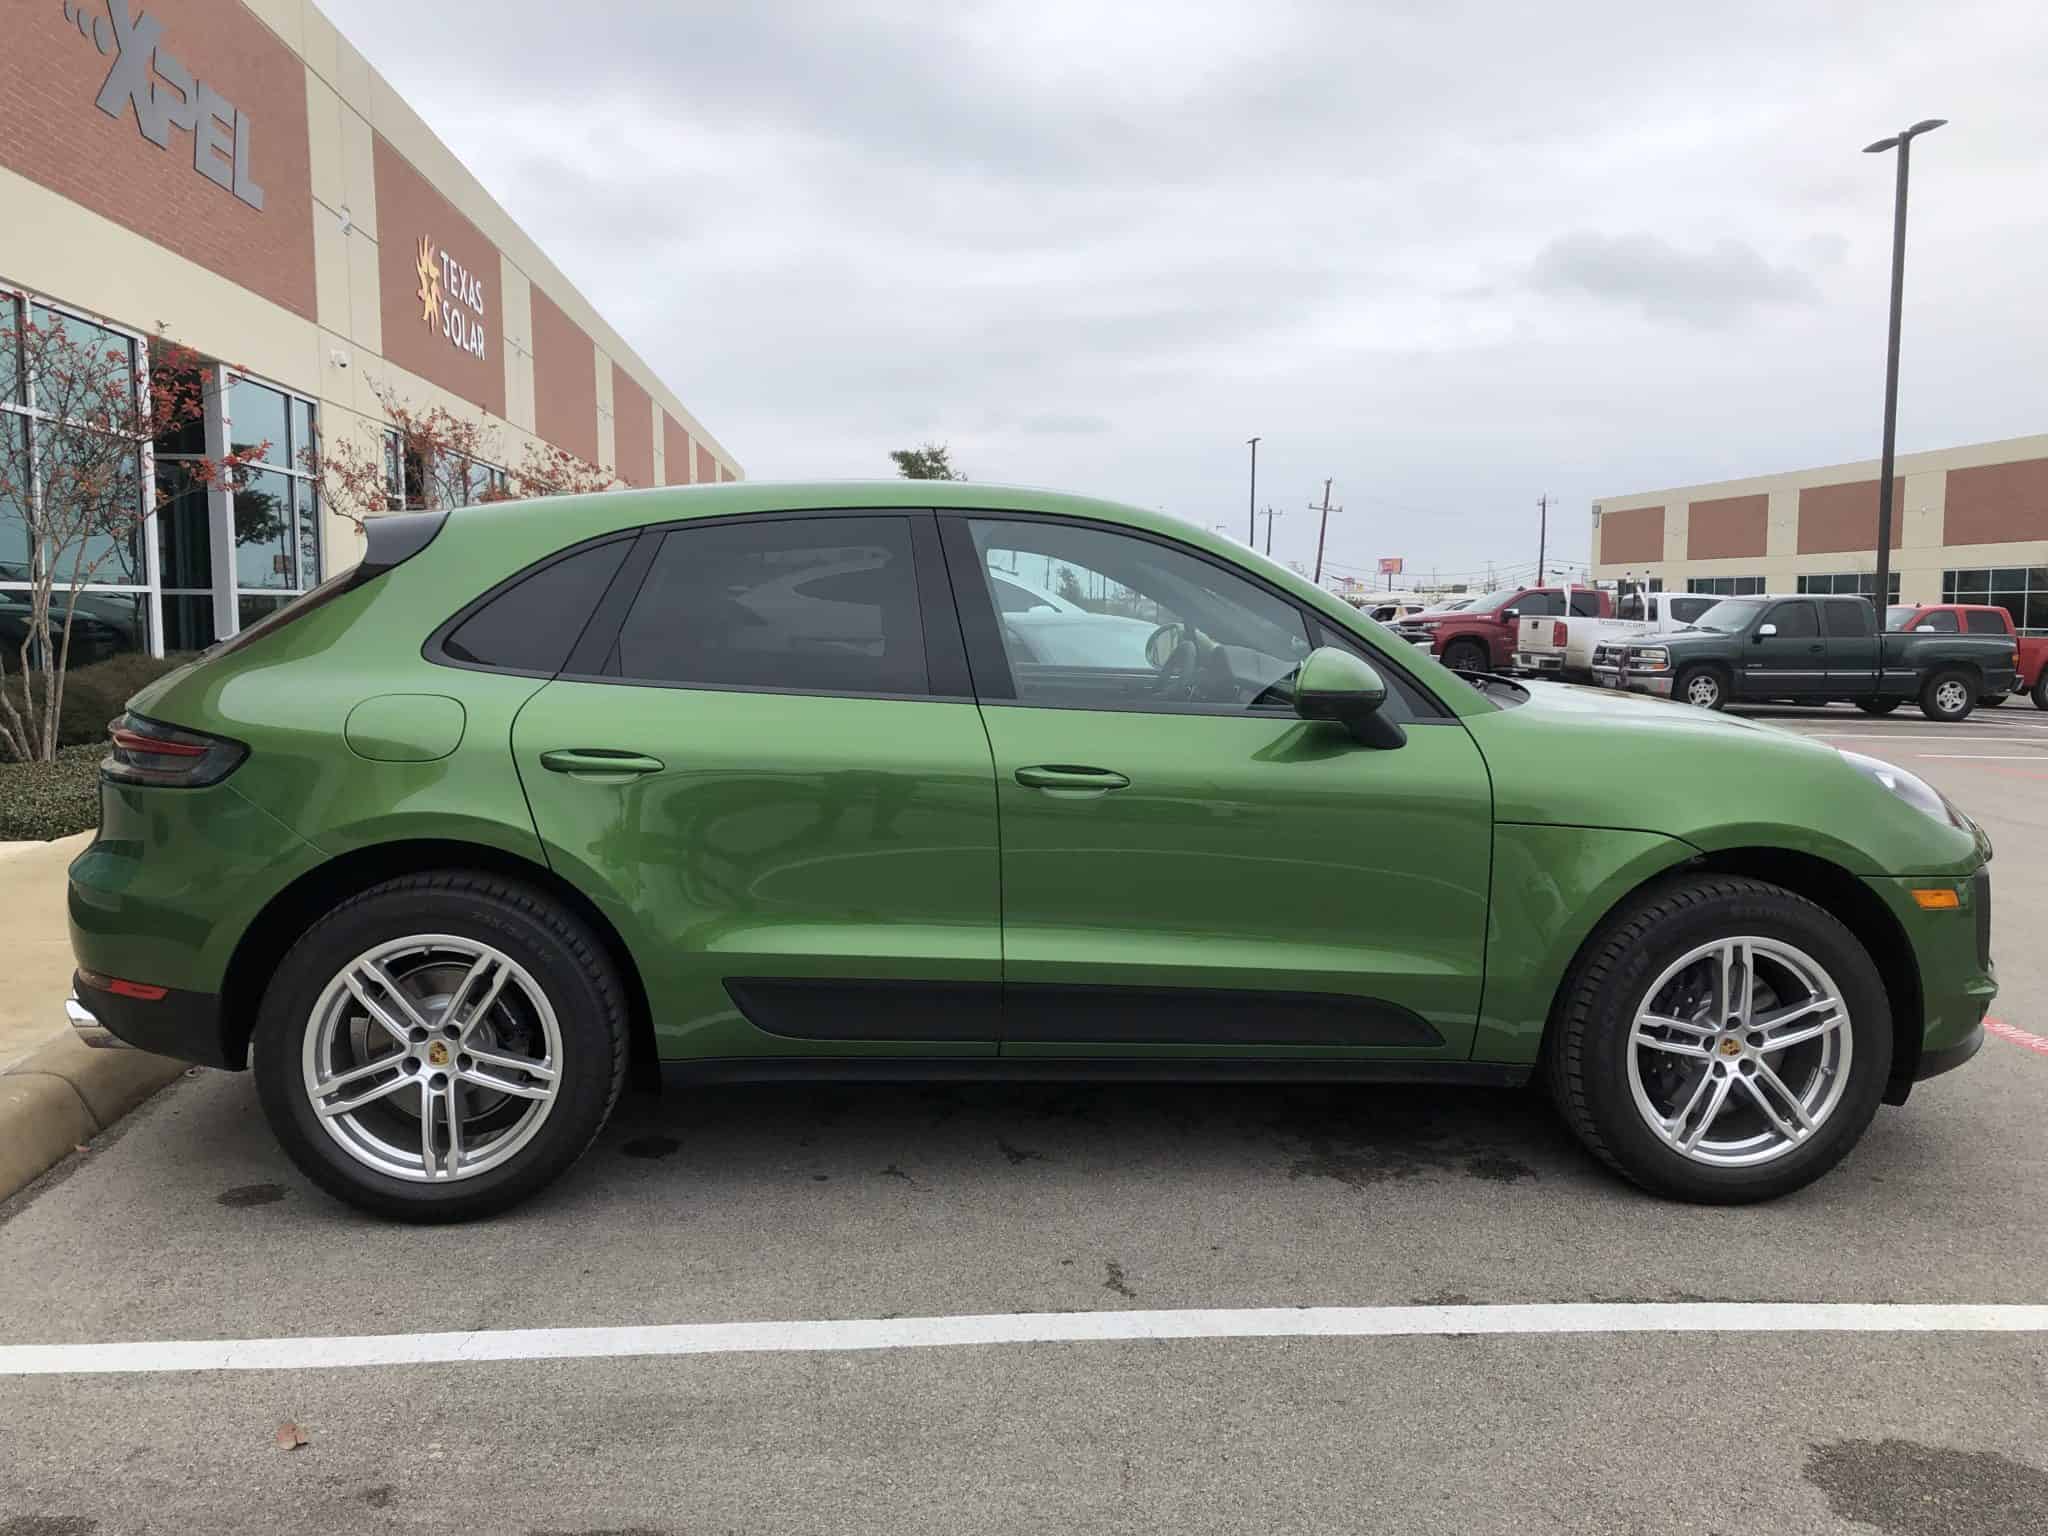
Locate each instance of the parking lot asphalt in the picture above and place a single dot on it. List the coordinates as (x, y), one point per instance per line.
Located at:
(786, 1203)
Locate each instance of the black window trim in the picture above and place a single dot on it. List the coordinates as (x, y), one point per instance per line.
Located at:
(989, 662)
(435, 648)
(945, 652)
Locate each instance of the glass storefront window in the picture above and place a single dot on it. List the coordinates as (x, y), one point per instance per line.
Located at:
(264, 548)
(2021, 591)
(1849, 584)
(253, 608)
(257, 414)
(184, 541)
(188, 621)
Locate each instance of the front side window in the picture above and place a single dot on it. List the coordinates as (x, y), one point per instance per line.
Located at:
(1942, 620)
(1795, 621)
(825, 604)
(1141, 625)
(1585, 603)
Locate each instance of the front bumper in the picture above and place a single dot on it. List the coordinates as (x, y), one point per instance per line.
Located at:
(1658, 683)
(185, 1025)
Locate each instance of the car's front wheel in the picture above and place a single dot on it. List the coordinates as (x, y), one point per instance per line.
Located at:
(1701, 687)
(441, 1046)
(1721, 1040)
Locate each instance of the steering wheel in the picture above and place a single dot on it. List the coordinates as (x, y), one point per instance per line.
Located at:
(1175, 651)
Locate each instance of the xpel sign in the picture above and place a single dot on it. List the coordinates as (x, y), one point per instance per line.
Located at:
(150, 78)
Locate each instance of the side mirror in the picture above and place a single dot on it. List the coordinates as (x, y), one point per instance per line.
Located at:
(1765, 631)
(1510, 615)
(1335, 685)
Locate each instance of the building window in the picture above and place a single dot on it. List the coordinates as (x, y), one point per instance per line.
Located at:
(1726, 586)
(275, 501)
(112, 611)
(1849, 584)
(2021, 590)
(409, 486)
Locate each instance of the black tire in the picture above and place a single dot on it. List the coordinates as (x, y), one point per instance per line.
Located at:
(1588, 1048)
(556, 950)
(1948, 695)
(2039, 693)
(1879, 706)
(1992, 700)
(1467, 656)
(1702, 687)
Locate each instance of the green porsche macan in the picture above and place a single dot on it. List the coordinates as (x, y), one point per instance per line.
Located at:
(949, 781)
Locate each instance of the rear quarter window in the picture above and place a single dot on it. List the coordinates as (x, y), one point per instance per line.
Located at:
(530, 624)
(1986, 621)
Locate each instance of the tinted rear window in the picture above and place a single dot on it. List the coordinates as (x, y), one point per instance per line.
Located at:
(1986, 621)
(823, 604)
(530, 625)
(1849, 618)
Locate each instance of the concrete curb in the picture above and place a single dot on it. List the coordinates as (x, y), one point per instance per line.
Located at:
(63, 1094)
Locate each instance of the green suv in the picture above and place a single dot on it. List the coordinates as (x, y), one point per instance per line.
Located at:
(948, 781)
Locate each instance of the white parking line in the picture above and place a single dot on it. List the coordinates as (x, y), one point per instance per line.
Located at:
(303, 1354)
(1983, 757)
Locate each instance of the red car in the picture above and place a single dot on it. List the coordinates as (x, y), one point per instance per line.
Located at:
(1479, 634)
(2031, 662)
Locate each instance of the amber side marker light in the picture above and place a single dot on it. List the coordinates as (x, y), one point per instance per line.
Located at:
(1941, 898)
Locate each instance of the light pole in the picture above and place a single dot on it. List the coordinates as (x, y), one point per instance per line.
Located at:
(1251, 502)
(1903, 143)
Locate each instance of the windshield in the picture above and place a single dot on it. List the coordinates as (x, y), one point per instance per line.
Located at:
(1899, 615)
(1728, 617)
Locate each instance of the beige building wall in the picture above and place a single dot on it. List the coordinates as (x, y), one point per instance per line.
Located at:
(1923, 549)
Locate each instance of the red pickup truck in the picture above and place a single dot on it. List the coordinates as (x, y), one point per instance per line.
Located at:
(1478, 635)
(2031, 662)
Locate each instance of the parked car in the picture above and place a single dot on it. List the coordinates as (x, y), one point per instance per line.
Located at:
(1565, 647)
(1057, 630)
(539, 799)
(2031, 655)
(1480, 636)
(1787, 649)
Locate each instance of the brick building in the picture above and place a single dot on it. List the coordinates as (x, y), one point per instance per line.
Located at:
(235, 177)
(1968, 525)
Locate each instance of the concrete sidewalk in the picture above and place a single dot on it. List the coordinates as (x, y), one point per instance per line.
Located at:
(55, 1093)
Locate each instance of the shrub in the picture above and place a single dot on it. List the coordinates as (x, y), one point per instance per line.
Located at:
(94, 695)
(46, 800)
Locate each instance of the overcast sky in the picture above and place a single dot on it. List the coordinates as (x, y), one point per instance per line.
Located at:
(1454, 255)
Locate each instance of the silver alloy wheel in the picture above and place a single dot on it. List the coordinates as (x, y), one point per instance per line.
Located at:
(1703, 689)
(432, 1058)
(1951, 697)
(1739, 1052)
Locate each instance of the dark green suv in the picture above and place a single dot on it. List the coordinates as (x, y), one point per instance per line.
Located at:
(759, 781)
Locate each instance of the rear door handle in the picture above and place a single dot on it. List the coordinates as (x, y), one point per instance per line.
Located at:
(1070, 776)
(598, 761)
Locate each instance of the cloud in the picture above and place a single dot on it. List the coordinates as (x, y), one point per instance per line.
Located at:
(1714, 286)
(1456, 255)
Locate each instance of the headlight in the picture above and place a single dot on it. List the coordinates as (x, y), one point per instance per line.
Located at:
(1655, 657)
(1915, 791)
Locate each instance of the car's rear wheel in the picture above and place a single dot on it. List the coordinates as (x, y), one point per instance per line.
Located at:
(1467, 656)
(1721, 1040)
(1948, 696)
(2039, 693)
(441, 1046)
(1878, 706)
(1701, 687)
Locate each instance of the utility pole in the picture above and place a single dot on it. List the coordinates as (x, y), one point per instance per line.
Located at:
(1322, 532)
(1903, 142)
(1270, 514)
(1542, 533)
(1251, 502)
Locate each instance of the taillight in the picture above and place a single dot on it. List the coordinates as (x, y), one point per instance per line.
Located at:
(1557, 633)
(147, 751)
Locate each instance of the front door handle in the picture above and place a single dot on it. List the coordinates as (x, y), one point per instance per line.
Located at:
(1070, 776)
(598, 761)
(1816, 648)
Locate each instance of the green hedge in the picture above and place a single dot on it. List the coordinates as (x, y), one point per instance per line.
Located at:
(46, 800)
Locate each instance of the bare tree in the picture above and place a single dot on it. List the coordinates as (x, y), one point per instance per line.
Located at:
(433, 458)
(71, 467)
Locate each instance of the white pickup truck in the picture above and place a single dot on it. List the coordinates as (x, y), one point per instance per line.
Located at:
(1563, 647)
